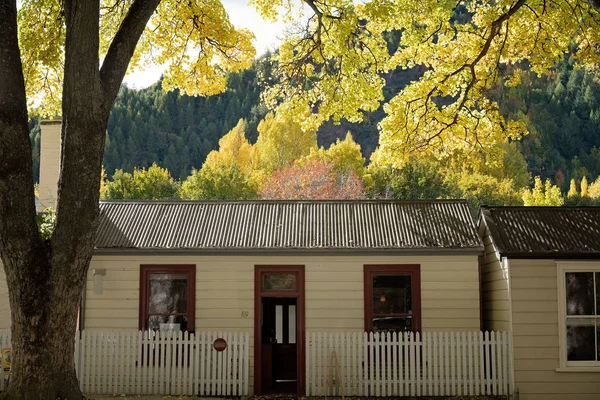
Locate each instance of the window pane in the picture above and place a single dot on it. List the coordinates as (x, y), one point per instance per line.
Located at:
(597, 342)
(279, 323)
(292, 324)
(279, 282)
(580, 339)
(580, 293)
(598, 295)
(392, 294)
(168, 294)
(392, 324)
(167, 323)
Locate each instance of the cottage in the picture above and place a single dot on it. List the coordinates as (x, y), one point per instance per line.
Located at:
(541, 279)
(297, 279)
(281, 269)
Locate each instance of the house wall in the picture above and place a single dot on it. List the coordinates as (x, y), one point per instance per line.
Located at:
(495, 287)
(535, 337)
(333, 292)
(49, 163)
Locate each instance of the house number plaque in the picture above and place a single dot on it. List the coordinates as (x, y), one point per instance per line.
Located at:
(220, 344)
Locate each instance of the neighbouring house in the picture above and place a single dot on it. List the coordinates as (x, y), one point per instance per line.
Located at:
(541, 281)
(280, 271)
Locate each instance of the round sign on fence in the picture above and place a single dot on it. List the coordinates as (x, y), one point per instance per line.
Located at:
(220, 344)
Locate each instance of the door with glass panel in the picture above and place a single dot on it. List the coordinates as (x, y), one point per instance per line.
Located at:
(279, 332)
(279, 345)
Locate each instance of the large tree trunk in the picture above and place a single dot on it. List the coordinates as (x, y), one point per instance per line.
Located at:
(46, 277)
(43, 328)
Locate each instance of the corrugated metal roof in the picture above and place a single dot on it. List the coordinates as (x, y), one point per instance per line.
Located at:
(283, 225)
(548, 232)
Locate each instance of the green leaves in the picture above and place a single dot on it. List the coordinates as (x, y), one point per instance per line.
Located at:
(45, 221)
(154, 183)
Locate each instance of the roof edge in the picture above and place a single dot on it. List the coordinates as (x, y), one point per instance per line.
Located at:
(375, 201)
(282, 252)
(495, 235)
(551, 255)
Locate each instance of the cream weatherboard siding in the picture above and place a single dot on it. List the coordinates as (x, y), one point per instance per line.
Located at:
(49, 162)
(4, 306)
(535, 337)
(495, 287)
(333, 291)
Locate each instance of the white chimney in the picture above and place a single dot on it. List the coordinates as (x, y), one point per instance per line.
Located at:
(49, 163)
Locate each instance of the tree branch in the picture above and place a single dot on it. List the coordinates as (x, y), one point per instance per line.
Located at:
(123, 46)
(19, 238)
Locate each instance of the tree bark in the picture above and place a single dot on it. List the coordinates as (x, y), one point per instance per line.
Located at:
(46, 278)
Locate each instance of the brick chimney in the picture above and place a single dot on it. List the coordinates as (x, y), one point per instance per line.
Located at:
(49, 163)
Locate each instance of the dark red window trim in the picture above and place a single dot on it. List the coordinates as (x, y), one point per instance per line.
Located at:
(414, 270)
(146, 270)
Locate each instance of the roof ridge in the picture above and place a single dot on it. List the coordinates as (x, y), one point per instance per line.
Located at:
(310, 201)
(549, 208)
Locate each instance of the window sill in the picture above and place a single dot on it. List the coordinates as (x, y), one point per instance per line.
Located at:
(578, 369)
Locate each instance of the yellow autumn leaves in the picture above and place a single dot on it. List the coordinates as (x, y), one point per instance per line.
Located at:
(239, 170)
(462, 48)
(332, 62)
(194, 40)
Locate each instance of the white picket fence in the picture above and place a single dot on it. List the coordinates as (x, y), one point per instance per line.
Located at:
(167, 363)
(390, 364)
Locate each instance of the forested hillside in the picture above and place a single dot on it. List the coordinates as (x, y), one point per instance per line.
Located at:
(561, 111)
(562, 114)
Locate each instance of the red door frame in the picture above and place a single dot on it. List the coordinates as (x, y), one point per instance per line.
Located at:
(298, 294)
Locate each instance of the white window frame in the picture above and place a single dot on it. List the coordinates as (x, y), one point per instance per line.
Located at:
(562, 268)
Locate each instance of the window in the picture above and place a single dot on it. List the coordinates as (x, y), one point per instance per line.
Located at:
(579, 300)
(167, 297)
(392, 298)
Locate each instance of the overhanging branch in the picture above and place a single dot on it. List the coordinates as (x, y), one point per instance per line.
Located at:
(123, 46)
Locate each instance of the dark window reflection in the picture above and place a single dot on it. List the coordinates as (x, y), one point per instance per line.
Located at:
(168, 294)
(392, 294)
(174, 323)
(580, 293)
(167, 301)
(580, 340)
(392, 324)
(283, 282)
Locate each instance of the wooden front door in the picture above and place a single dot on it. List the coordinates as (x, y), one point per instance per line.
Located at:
(279, 330)
(279, 345)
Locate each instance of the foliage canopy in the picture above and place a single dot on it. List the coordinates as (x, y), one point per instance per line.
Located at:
(333, 65)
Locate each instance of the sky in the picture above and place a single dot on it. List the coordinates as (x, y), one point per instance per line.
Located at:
(241, 15)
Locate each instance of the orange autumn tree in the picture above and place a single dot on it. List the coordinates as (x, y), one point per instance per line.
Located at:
(313, 180)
